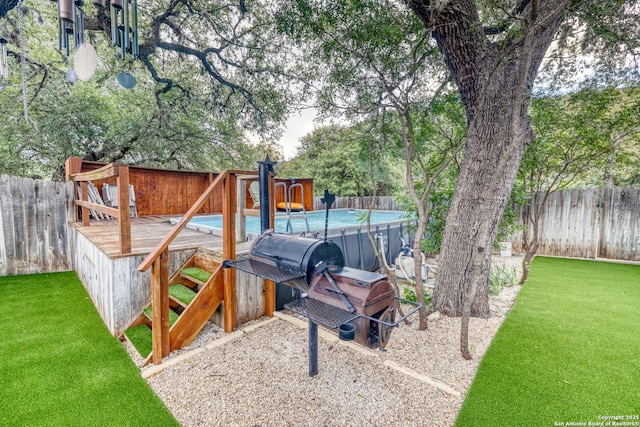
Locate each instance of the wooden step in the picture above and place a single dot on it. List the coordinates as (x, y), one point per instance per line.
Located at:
(173, 316)
(141, 338)
(181, 294)
(195, 292)
(195, 274)
(194, 317)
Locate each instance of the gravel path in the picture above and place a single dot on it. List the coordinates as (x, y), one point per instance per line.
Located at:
(258, 375)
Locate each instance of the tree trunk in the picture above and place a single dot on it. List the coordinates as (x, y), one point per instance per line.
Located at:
(495, 144)
(494, 80)
(417, 266)
(526, 262)
(531, 247)
(533, 215)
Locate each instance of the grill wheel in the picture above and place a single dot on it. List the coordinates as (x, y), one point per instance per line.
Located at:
(389, 315)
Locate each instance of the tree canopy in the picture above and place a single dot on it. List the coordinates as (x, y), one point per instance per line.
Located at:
(210, 78)
(336, 158)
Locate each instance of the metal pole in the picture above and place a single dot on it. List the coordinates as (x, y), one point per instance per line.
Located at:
(313, 349)
(264, 168)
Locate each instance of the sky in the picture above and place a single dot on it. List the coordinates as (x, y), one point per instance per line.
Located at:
(298, 125)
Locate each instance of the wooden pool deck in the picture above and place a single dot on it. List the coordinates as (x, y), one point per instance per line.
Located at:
(146, 233)
(120, 290)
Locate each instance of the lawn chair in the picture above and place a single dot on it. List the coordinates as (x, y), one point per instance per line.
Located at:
(254, 192)
(93, 195)
(110, 195)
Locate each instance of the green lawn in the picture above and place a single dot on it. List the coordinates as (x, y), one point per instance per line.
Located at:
(569, 351)
(59, 366)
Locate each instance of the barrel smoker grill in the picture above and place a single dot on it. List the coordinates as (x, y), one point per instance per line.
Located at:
(332, 295)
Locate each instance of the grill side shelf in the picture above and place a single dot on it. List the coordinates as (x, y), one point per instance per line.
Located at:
(320, 312)
(266, 271)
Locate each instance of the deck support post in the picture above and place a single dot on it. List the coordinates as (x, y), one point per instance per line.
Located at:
(160, 307)
(229, 251)
(124, 219)
(84, 196)
(267, 221)
(269, 298)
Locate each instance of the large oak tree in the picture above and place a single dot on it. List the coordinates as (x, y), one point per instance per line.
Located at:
(494, 50)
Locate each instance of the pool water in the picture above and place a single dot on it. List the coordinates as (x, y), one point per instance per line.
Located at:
(338, 218)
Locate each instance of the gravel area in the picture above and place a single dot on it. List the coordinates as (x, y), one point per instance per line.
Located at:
(258, 375)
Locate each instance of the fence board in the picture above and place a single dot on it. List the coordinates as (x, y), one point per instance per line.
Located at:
(635, 244)
(33, 236)
(7, 248)
(620, 235)
(590, 223)
(591, 215)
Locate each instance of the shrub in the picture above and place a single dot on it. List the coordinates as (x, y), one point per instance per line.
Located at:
(410, 295)
(501, 276)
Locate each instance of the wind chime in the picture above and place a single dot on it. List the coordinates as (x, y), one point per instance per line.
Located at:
(5, 7)
(70, 24)
(124, 24)
(124, 27)
(124, 34)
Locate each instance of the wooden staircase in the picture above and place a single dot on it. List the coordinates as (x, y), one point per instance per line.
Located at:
(196, 290)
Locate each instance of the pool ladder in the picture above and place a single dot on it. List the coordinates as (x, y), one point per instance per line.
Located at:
(288, 199)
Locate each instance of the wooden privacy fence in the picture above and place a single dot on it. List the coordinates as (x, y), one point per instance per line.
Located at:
(590, 223)
(33, 226)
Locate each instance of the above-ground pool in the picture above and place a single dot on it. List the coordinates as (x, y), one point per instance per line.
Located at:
(346, 229)
(338, 218)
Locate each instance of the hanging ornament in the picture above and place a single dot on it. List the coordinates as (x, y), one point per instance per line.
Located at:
(124, 27)
(126, 80)
(85, 62)
(71, 75)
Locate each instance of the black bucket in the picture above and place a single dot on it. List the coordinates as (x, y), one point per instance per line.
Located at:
(346, 331)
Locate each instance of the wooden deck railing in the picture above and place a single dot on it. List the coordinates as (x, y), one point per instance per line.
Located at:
(121, 213)
(158, 260)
